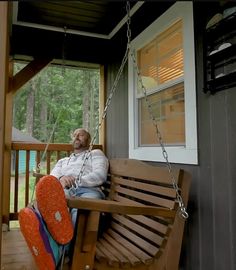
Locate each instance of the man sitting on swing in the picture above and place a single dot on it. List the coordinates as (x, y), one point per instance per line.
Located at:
(48, 226)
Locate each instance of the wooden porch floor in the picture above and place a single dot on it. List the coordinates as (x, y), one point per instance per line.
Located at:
(15, 253)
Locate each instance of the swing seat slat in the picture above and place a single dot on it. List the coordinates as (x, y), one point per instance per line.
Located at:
(140, 226)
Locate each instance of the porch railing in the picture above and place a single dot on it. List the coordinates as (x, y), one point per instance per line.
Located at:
(25, 160)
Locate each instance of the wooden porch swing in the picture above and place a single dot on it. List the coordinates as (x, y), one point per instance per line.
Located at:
(140, 224)
(144, 229)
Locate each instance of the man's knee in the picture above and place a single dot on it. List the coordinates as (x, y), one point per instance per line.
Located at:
(92, 195)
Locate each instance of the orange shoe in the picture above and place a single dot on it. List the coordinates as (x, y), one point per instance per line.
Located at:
(51, 202)
(36, 239)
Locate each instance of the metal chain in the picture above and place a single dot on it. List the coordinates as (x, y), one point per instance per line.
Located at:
(58, 116)
(128, 22)
(182, 207)
(39, 165)
(179, 199)
(108, 102)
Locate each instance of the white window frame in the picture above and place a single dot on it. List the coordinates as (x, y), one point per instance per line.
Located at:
(187, 154)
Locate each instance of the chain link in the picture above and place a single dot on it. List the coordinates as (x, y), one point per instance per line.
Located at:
(128, 22)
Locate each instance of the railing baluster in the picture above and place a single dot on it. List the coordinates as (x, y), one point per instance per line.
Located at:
(27, 168)
(37, 160)
(58, 155)
(48, 162)
(16, 186)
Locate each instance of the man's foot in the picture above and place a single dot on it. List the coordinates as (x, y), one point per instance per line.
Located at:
(51, 202)
(36, 238)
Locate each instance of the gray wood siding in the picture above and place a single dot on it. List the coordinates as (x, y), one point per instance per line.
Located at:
(117, 143)
(210, 234)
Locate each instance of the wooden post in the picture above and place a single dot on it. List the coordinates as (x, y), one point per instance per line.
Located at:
(4, 68)
(15, 83)
(7, 148)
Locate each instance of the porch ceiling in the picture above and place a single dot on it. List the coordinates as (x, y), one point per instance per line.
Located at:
(95, 18)
(90, 27)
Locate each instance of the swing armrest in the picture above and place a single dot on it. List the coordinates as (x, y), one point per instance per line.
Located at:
(118, 207)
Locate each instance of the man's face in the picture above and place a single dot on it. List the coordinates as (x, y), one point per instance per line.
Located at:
(80, 139)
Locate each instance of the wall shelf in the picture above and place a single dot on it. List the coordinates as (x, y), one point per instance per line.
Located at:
(220, 55)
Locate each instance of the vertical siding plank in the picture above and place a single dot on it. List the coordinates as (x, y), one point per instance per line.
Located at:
(117, 116)
(231, 135)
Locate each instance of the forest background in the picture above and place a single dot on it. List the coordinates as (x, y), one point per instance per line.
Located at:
(57, 101)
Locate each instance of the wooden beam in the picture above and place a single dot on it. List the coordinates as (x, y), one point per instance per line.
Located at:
(4, 58)
(27, 73)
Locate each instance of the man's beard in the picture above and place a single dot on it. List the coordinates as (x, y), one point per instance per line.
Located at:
(79, 145)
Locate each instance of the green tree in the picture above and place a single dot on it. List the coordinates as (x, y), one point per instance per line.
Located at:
(57, 99)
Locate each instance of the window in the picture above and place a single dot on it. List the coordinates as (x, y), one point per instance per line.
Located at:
(165, 59)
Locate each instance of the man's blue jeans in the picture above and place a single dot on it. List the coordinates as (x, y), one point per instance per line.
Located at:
(84, 192)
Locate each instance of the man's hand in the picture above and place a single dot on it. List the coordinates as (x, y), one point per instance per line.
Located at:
(67, 181)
